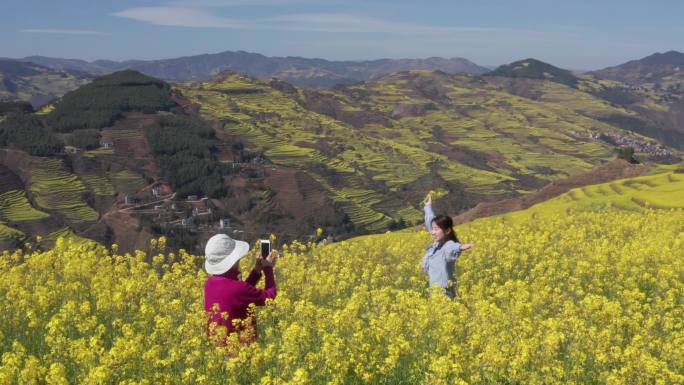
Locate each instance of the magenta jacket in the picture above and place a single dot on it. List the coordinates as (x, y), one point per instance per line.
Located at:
(234, 297)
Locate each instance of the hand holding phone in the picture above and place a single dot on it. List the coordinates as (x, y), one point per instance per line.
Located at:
(271, 259)
(265, 247)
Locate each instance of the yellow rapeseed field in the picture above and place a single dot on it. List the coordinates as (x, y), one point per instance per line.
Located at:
(585, 298)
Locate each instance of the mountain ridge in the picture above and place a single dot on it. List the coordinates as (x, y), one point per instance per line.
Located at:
(659, 68)
(310, 72)
(256, 150)
(20, 80)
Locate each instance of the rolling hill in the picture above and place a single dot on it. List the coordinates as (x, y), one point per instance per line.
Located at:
(654, 88)
(660, 188)
(377, 146)
(134, 157)
(666, 69)
(35, 83)
(535, 69)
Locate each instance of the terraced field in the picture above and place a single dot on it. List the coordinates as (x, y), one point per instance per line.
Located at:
(527, 134)
(362, 215)
(122, 134)
(8, 234)
(584, 298)
(126, 181)
(100, 152)
(662, 189)
(15, 207)
(375, 148)
(65, 233)
(99, 185)
(416, 131)
(57, 190)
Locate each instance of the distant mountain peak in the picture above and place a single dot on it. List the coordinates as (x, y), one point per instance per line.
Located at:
(535, 69)
(307, 72)
(667, 58)
(650, 69)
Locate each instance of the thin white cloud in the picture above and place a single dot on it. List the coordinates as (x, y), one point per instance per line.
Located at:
(234, 3)
(351, 23)
(180, 17)
(62, 31)
(313, 22)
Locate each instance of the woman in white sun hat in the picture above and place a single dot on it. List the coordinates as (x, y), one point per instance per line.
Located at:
(224, 292)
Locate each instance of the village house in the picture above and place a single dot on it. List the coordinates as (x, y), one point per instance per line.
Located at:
(200, 211)
(71, 150)
(130, 199)
(160, 188)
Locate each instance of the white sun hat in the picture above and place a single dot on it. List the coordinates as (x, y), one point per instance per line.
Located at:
(222, 252)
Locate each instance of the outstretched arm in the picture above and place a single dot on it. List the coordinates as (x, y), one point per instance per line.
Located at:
(453, 249)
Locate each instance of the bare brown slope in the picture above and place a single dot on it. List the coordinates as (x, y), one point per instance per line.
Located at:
(616, 169)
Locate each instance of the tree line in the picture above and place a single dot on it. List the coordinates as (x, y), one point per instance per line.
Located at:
(184, 149)
(27, 132)
(100, 103)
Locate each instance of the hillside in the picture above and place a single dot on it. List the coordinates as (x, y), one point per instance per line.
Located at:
(118, 161)
(378, 147)
(651, 111)
(296, 70)
(665, 69)
(655, 107)
(608, 172)
(35, 83)
(657, 79)
(659, 189)
(535, 69)
(140, 157)
(566, 293)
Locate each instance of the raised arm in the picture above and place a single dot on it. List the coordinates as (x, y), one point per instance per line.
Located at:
(251, 294)
(254, 276)
(429, 215)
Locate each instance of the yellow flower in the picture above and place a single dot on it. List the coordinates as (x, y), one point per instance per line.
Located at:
(587, 297)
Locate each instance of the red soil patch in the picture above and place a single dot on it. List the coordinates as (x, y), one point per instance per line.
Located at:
(134, 152)
(127, 232)
(188, 106)
(297, 193)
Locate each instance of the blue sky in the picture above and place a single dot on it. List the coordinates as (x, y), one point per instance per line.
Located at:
(577, 34)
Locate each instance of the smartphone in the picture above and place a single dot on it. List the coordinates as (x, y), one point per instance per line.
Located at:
(265, 247)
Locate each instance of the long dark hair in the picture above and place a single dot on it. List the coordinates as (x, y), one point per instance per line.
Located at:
(445, 223)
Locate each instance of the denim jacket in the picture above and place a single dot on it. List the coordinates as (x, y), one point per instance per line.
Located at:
(439, 262)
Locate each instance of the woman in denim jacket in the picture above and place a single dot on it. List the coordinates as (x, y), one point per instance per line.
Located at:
(441, 256)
